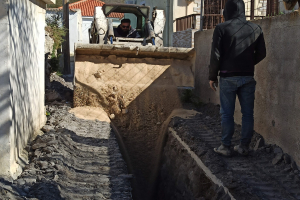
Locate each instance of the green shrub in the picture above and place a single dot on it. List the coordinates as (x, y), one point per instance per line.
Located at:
(56, 32)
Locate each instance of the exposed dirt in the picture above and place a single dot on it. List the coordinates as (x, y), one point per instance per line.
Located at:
(75, 158)
(138, 94)
(114, 82)
(267, 173)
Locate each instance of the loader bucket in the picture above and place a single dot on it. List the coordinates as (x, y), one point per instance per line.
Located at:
(135, 51)
(109, 73)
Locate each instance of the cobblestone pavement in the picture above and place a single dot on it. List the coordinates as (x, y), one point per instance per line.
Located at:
(267, 173)
(74, 159)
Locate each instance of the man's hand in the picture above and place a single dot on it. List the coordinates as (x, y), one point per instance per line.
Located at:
(213, 85)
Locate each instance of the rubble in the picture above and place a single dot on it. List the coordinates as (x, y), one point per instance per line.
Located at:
(52, 96)
(259, 143)
(74, 159)
(287, 158)
(277, 158)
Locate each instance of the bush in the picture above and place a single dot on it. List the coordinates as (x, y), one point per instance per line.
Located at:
(56, 32)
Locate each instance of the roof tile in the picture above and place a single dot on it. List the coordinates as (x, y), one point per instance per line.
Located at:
(87, 8)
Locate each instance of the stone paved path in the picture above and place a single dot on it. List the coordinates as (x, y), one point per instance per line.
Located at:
(74, 159)
(258, 176)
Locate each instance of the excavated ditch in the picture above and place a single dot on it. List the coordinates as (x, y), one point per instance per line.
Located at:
(135, 108)
(139, 95)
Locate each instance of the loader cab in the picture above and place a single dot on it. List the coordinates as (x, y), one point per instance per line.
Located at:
(108, 17)
(138, 15)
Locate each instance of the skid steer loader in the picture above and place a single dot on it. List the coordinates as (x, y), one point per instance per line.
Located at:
(112, 71)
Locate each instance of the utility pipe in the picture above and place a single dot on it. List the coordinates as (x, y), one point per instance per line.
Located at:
(168, 22)
(201, 15)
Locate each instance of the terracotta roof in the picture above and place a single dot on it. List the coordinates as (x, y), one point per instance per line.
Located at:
(87, 8)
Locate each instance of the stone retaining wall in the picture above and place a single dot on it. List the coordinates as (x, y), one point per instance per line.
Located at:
(184, 38)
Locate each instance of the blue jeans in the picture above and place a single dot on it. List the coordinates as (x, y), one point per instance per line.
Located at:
(244, 88)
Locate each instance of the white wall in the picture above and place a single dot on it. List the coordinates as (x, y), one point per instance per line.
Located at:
(5, 91)
(86, 24)
(182, 8)
(75, 24)
(22, 111)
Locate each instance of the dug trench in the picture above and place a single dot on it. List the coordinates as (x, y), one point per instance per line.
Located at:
(166, 142)
(141, 97)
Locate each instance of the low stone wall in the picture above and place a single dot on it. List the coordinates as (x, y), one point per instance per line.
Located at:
(184, 38)
(277, 107)
(22, 72)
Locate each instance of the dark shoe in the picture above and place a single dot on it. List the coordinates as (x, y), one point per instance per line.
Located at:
(223, 150)
(241, 149)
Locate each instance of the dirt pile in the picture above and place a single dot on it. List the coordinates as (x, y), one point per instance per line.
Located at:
(90, 113)
(114, 82)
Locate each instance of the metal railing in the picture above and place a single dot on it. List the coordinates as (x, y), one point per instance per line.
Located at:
(186, 22)
(272, 7)
(209, 21)
(212, 18)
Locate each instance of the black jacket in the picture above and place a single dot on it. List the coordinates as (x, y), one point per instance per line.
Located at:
(237, 44)
(132, 33)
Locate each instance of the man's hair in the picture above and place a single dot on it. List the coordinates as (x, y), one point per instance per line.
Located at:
(125, 21)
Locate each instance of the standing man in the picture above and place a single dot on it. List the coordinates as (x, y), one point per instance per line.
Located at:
(238, 45)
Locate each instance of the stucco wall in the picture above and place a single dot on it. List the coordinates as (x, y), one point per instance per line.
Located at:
(22, 111)
(182, 8)
(75, 24)
(277, 107)
(5, 104)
